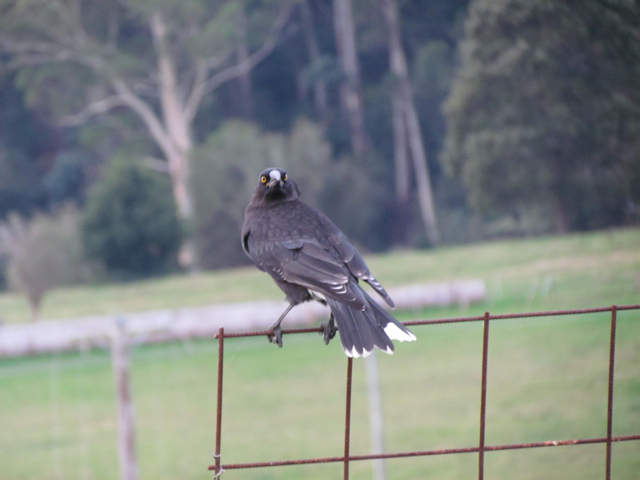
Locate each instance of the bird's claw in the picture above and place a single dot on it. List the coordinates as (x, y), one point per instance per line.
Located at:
(328, 330)
(275, 336)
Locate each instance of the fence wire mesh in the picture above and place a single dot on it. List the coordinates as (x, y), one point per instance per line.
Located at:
(481, 448)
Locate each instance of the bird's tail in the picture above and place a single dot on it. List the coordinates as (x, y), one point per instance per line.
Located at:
(361, 330)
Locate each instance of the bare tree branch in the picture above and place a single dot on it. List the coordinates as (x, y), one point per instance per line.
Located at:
(94, 108)
(217, 60)
(178, 129)
(198, 84)
(199, 91)
(165, 96)
(146, 114)
(42, 52)
(27, 60)
(33, 46)
(156, 164)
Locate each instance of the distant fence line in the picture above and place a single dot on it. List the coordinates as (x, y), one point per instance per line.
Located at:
(52, 336)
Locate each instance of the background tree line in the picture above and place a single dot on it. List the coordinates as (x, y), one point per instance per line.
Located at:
(109, 105)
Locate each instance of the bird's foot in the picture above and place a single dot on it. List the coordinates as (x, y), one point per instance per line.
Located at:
(275, 336)
(328, 330)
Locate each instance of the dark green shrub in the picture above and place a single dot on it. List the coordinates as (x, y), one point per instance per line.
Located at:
(130, 221)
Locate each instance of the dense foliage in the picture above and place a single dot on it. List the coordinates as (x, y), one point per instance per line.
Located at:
(224, 177)
(281, 89)
(130, 221)
(542, 121)
(545, 110)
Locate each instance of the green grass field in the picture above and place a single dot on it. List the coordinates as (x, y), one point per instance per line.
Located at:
(547, 377)
(518, 272)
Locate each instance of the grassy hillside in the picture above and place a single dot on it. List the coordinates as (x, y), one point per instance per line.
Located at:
(568, 271)
(547, 378)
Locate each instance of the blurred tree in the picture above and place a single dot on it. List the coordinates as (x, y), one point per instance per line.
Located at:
(157, 59)
(350, 94)
(20, 183)
(392, 37)
(27, 146)
(545, 111)
(130, 221)
(222, 180)
(351, 194)
(300, 77)
(224, 176)
(315, 59)
(407, 135)
(244, 79)
(43, 253)
(65, 180)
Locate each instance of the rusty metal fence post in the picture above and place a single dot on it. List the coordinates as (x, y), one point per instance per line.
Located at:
(612, 358)
(216, 455)
(483, 394)
(347, 419)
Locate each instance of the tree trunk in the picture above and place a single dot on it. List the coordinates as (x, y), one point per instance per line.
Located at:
(425, 196)
(561, 219)
(349, 91)
(319, 87)
(402, 172)
(178, 144)
(401, 161)
(403, 100)
(244, 80)
(34, 299)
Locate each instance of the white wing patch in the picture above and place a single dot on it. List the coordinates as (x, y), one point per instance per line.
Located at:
(339, 288)
(317, 295)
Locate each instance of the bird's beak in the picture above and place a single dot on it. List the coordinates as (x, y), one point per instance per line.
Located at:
(275, 181)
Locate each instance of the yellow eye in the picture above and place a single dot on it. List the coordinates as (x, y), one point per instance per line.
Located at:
(263, 179)
(285, 177)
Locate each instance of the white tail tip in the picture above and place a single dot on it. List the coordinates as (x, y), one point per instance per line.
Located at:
(395, 333)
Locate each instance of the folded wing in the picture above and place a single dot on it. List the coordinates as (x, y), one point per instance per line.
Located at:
(320, 269)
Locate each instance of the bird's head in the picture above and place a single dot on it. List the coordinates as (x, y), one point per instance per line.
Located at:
(274, 184)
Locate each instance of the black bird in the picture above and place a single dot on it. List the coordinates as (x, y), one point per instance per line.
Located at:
(311, 259)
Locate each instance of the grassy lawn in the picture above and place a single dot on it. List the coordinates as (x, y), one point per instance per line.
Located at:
(524, 271)
(547, 378)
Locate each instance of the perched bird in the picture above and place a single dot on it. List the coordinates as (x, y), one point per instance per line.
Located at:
(311, 259)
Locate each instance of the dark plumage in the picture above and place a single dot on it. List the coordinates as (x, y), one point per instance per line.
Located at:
(311, 259)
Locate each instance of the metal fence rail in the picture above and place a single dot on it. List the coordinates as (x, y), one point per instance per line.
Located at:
(481, 448)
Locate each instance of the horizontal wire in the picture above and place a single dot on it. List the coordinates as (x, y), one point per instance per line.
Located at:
(477, 318)
(424, 453)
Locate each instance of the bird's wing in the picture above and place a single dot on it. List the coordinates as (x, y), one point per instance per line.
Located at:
(356, 265)
(306, 262)
(252, 254)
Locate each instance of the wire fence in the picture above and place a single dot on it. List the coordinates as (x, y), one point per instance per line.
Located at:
(219, 467)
